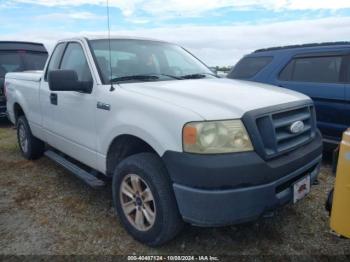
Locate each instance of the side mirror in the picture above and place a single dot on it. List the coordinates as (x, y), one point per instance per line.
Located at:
(67, 80)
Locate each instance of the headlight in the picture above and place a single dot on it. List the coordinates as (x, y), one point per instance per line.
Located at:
(216, 137)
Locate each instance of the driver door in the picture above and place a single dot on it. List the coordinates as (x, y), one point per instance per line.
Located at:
(74, 112)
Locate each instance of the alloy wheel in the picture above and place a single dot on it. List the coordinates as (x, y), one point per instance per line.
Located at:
(23, 140)
(137, 202)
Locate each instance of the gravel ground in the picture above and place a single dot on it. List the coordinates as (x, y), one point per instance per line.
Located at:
(44, 210)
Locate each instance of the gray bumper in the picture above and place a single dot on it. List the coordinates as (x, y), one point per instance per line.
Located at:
(234, 206)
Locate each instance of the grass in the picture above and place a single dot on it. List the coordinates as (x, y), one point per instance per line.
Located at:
(45, 210)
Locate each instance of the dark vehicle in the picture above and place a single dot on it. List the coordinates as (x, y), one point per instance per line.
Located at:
(321, 71)
(17, 57)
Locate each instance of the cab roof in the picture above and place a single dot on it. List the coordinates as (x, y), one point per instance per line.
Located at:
(112, 37)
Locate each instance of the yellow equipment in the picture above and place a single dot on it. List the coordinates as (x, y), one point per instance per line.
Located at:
(340, 214)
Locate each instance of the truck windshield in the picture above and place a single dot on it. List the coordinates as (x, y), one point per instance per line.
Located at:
(17, 61)
(143, 60)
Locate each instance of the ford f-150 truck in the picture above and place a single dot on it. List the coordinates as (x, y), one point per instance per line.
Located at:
(179, 143)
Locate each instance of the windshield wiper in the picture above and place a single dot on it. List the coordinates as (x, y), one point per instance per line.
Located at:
(135, 77)
(142, 77)
(171, 76)
(197, 76)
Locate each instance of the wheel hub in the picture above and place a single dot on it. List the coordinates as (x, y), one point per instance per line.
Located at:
(138, 201)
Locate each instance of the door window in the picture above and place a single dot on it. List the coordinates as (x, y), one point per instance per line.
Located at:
(249, 67)
(347, 69)
(74, 59)
(286, 73)
(55, 59)
(313, 69)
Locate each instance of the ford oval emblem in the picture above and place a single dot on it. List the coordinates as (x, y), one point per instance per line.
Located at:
(296, 127)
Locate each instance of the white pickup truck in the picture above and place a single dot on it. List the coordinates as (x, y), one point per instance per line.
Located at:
(180, 144)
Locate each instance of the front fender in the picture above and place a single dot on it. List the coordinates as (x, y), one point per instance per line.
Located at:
(157, 123)
(158, 135)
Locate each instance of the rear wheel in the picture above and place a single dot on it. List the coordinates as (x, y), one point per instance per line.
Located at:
(144, 199)
(31, 147)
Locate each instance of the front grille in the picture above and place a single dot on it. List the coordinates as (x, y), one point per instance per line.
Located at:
(274, 129)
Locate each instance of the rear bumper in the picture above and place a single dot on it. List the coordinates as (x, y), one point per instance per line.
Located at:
(230, 189)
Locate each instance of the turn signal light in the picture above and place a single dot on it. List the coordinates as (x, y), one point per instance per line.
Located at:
(190, 135)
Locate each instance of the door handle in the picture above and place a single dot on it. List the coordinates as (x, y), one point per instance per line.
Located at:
(53, 99)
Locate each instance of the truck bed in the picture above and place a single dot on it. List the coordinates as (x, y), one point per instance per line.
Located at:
(24, 88)
(34, 76)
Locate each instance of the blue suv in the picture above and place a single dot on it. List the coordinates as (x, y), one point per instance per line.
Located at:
(321, 71)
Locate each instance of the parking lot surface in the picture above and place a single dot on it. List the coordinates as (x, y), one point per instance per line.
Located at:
(45, 210)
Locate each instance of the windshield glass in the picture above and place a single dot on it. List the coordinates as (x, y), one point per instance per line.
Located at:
(142, 60)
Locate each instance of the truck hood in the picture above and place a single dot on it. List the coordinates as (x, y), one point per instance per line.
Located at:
(215, 99)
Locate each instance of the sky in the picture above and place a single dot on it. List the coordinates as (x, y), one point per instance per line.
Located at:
(219, 32)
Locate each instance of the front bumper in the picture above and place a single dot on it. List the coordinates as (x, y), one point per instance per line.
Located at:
(235, 188)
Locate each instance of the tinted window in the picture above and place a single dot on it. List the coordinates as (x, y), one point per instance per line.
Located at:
(35, 61)
(10, 62)
(313, 69)
(347, 70)
(249, 67)
(17, 61)
(55, 58)
(286, 73)
(74, 59)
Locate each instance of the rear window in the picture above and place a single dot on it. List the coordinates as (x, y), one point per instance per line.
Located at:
(17, 61)
(249, 67)
(35, 61)
(9, 62)
(313, 69)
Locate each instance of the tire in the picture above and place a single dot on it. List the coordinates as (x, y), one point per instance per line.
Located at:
(329, 202)
(31, 147)
(150, 171)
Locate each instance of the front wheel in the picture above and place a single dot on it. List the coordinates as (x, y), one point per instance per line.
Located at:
(144, 199)
(31, 147)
